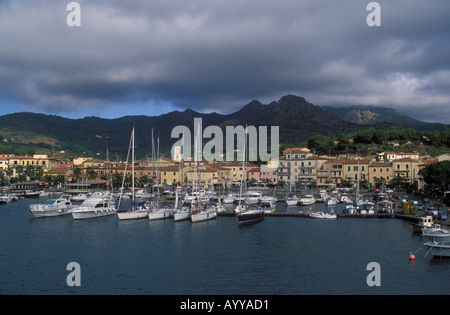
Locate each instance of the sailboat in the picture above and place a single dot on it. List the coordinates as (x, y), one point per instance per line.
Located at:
(246, 215)
(138, 210)
(199, 212)
(291, 199)
(164, 210)
(182, 212)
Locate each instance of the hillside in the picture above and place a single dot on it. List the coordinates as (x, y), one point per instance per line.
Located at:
(298, 119)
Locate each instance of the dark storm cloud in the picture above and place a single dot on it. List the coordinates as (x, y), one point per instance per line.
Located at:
(215, 55)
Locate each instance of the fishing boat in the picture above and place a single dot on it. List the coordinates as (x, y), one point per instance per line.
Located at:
(436, 234)
(438, 250)
(94, 207)
(423, 223)
(52, 207)
(307, 200)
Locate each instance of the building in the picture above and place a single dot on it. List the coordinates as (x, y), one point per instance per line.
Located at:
(36, 160)
(406, 168)
(356, 171)
(380, 173)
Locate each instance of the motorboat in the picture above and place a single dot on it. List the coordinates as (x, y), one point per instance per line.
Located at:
(52, 207)
(267, 206)
(323, 215)
(307, 200)
(143, 194)
(79, 197)
(331, 201)
(438, 250)
(230, 198)
(253, 197)
(349, 209)
(94, 207)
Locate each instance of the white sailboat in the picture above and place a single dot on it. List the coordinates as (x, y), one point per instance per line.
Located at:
(199, 212)
(138, 210)
(160, 210)
(244, 214)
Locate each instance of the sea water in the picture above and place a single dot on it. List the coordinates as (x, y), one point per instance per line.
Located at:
(279, 255)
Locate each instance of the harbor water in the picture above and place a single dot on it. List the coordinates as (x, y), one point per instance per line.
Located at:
(279, 255)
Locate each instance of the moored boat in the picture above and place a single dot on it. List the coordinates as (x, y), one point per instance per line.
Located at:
(322, 215)
(248, 216)
(307, 200)
(94, 208)
(52, 207)
(439, 250)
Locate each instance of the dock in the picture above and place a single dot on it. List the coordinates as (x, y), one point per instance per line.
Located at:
(401, 216)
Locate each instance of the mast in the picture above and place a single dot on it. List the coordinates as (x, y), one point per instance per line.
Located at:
(132, 164)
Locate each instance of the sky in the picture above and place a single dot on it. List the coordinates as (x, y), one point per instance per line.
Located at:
(132, 57)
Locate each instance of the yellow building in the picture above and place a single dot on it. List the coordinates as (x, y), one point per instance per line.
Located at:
(36, 160)
(173, 174)
(356, 170)
(380, 172)
(406, 168)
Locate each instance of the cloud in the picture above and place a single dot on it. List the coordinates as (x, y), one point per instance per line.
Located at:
(219, 55)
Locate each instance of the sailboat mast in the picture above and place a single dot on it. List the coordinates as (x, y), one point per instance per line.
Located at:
(132, 163)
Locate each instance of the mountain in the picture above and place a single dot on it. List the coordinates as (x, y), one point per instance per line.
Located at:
(298, 121)
(373, 115)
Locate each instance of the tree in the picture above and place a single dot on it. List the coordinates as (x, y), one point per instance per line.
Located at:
(437, 174)
(91, 174)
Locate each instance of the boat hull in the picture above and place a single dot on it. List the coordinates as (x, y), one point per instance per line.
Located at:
(439, 250)
(159, 215)
(132, 215)
(90, 214)
(49, 213)
(181, 215)
(322, 215)
(250, 217)
(203, 216)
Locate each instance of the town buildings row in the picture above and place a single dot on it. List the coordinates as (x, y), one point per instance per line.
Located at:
(297, 166)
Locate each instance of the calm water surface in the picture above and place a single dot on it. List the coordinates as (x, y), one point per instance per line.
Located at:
(280, 255)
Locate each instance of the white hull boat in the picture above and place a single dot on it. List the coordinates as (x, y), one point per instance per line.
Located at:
(180, 215)
(322, 215)
(132, 215)
(203, 215)
(52, 208)
(439, 250)
(161, 213)
(291, 202)
(93, 208)
(307, 200)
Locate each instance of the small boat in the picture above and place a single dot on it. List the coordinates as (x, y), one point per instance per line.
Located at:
(385, 206)
(307, 200)
(349, 209)
(80, 197)
(52, 207)
(331, 201)
(323, 215)
(267, 206)
(253, 197)
(4, 199)
(94, 207)
(230, 198)
(438, 250)
(139, 210)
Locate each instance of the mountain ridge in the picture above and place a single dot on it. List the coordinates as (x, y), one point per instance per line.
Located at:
(298, 120)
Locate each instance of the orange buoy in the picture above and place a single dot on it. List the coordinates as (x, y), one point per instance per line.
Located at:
(411, 256)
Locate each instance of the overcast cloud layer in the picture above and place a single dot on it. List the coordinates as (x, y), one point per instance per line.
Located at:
(150, 57)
